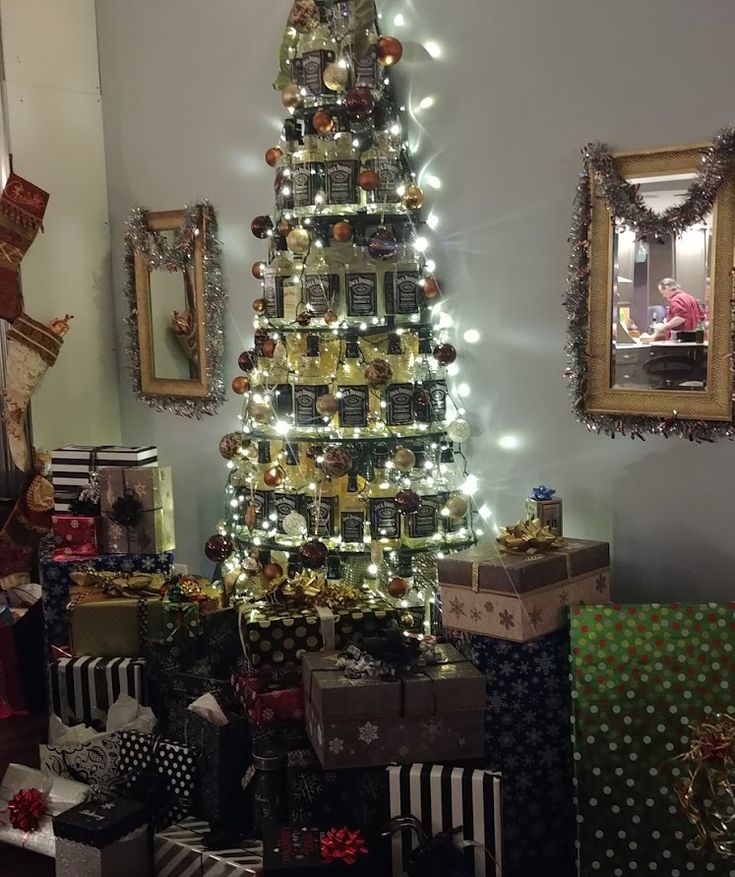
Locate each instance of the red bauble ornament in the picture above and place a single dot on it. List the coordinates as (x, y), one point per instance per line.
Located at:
(26, 809)
(378, 373)
(408, 501)
(268, 348)
(303, 318)
(368, 180)
(240, 385)
(383, 245)
(258, 270)
(337, 462)
(430, 287)
(342, 231)
(272, 571)
(246, 360)
(397, 587)
(330, 317)
(284, 228)
(390, 51)
(219, 548)
(359, 102)
(445, 354)
(323, 122)
(273, 477)
(421, 398)
(230, 444)
(272, 156)
(261, 227)
(313, 554)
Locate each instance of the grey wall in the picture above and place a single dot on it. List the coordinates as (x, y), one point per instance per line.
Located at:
(521, 86)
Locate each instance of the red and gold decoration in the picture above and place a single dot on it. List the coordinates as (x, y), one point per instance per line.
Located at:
(274, 477)
(303, 318)
(323, 122)
(383, 245)
(258, 269)
(304, 16)
(259, 305)
(337, 461)
(247, 360)
(262, 227)
(240, 385)
(231, 444)
(219, 548)
(430, 288)
(413, 198)
(273, 155)
(368, 180)
(397, 587)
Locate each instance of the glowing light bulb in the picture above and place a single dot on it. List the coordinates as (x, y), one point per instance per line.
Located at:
(464, 390)
(399, 20)
(509, 442)
(426, 103)
(421, 245)
(432, 221)
(472, 336)
(470, 486)
(433, 48)
(485, 512)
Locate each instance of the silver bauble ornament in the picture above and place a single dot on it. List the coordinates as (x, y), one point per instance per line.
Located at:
(459, 430)
(294, 525)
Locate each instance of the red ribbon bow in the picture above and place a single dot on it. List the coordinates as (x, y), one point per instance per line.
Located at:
(26, 809)
(343, 845)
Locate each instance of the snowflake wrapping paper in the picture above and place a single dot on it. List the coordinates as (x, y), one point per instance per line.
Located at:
(154, 530)
(267, 702)
(75, 536)
(644, 676)
(520, 596)
(436, 713)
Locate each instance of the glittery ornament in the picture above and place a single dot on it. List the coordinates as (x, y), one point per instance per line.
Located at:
(304, 16)
(250, 451)
(230, 444)
(261, 227)
(421, 398)
(457, 506)
(240, 385)
(219, 548)
(445, 354)
(274, 476)
(259, 305)
(291, 97)
(337, 462)
(327, 405)
(430, 287)
(258, 270)
(268, 348)
(413, 198)
(294, 525)
(330, 317)
(397, 587)
(247, 360)
(284, 227)
(342, 231)
(336, 77)
(272, 571)
(313, 554)
(323, 122)
(390, 51)
(406, 620)
(408, 501)
(251, 516)
(303, 318)
(459, 430)
(359, 102)
(241, 476)
(378, 373)
(404, 459)
(383, 245)
(261, 412)
(368, 180)
(298, 241)
(273, 155)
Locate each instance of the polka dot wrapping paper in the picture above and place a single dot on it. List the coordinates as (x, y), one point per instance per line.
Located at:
(644, 676)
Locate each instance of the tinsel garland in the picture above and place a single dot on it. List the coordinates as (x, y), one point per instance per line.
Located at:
(159, 255)
(625, 203)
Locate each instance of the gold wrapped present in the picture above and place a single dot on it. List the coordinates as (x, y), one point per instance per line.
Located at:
(107, 626)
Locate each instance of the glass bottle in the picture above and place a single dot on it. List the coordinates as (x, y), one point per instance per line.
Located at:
(432, 405)
(283, 184)
(353, 392)
(449, 482)
(384, 157)
(270, 803)
(398, 394)
(340, 14)
(385, 519)
(287, 498)
(321, 281)
(308, 170)
(316, 49)
(334, 569)
(361, 282)
(421, 527)
(368, 72)
(321, 507)
(401, 291)
(342, 166)
(274, 278)
(310, 384)
(352, 512)
(262, 492)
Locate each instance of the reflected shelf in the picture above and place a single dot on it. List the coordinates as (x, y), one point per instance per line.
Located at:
(287, 544)
(361, 325)
(335, 435)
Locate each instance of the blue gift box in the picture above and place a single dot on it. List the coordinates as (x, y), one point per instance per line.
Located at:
(528, 739)
(55, 583)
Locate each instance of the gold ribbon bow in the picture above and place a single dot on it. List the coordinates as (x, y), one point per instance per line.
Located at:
(115, 584)
(529, 537)
(310, 589)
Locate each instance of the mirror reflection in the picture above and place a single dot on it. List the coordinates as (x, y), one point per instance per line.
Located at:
(661, 298)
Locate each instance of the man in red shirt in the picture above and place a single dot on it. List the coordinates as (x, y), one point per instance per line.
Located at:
(684, 313)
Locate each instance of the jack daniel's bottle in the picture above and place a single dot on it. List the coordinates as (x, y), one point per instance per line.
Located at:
(316, 50)
(308, 170)
(352, 513)
(421, 527)
(431, 388)
(287, 498)
(399, 393)
(342, 169)
(385, 518)
(309, 385)
(384, 158)
(261, 495)
(402, 292)
(275, 281)
(361, 282)
(321, 282)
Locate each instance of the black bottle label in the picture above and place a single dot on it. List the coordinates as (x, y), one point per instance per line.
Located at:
(261, 500)
(362, 295)
(284, 504)
(314, 64)
(284, 400)
(283, 189)
(402, 292)
(367, 70)
(399, 401)
(354, 405)
(424, 523)
(437, 391)
(321, 292)
(321, 515)
(307, 182)
(385, 519)
(305, 397)
(389, 175)
(297, 71)
(352, 526)
(342, 182)
(273, 295)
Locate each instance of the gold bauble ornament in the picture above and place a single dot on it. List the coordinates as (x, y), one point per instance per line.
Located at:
(298, 241)
(327, 405)
(336, 77)
(457, 506)
(330, 317)
(406, 620)
(261, 412)
(259, 305)
(413, 198)
(404, 459)
(291, 97)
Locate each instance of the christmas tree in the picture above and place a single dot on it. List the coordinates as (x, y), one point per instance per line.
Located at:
(349, 457)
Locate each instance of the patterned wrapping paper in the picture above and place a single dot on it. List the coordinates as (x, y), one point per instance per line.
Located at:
(82, 689)
(75, 536)
(528, 739)
(180, 852)
(644, 675)
(96, 762)
(267, 702)
(153, 488)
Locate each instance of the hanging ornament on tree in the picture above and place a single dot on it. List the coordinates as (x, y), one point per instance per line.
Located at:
(421, 399)
(258, 270)
(342, 231)
(390, 51)
(268, 348)
(457, 506)
(459, 430)
(359, 102)
(337, 461)
(336, 77)
(397, 587)
(430, 287)
(273, 155)
(313, 554)
(294, 525)
(247, 360)
(383, 245)
(404, 459)
(240, 385)
(272, 571)
(298, 241)
(230, 444)
(408, 502)
(261, 412)
(368, 180)
(262, 227)
(330, 317)
(274, 476)
(323, 122)
(219, 548)
(413, 198)
(291, 97)
(251, 516)
(259, 305)
(284, 227)
(304, 16)
(303, 318)
(445, 354)
(378, 373)
(327, 405)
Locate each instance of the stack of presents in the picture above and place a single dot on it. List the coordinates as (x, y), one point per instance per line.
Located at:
(190, 737)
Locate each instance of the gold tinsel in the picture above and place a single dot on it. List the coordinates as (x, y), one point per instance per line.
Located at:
(529, 537)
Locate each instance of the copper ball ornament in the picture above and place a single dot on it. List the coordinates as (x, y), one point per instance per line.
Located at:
(261, 412)
(368, 180)
(261, 227)
(404, 459)
(272, 156)
(413, 198)
(327, 405)
(258, 270)
(240, 385)
(359, 102)
(274, 476)
(303, 318)
(337, 462)
(383, 245)
(336, 77)
(268, 348)
(390, 51)
(397, 587)
(298, 241)
(272, 571)
(219, 548)
(247, 360)
(408, 502)
(259, 305)
(430, 288)
(457, 506)
(445, 354)
(291, 97)
(230, 444)
(330, 317)
(323, 122)
(284, 227)
(313, 554)
(342, 231)
(378, 373)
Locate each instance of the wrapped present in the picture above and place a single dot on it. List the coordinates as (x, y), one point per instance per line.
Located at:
(436, 713)
(186, 601)
(545, 506)
(74, 467)
(278, 636)
(83, 689)
(647, 677)
(137, 510)
(298, 850)
(102, 839)
(56, 581)
(75, 536)
(28, 803)
(528, 740)
(267, 700)
(180, 851)
(107, 626)
(519, 596)
(464, 803)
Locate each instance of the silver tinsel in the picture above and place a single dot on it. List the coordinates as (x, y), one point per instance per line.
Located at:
(162, 256)
(625, 203)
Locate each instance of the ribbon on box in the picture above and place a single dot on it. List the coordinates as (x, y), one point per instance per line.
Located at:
(388, 656)
(116, 584)
(528, 537)
(542, 493)
(185, 600)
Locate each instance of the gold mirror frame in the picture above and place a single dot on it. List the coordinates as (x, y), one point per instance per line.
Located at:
(195, 249)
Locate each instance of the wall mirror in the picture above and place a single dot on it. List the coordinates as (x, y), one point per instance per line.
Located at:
(650, 291)
(177, 301)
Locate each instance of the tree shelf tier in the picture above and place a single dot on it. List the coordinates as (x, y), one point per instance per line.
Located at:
(387, 213)
(363, 326)
(287, 545)
(320, 435)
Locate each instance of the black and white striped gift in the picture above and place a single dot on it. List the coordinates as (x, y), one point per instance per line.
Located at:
(445, 798)
(82, 689)
(179, 852)
(71, 466)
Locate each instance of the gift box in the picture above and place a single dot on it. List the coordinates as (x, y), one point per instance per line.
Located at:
(109, 626)
(102, 839)
(95, 761)
(75, 536)
(444, 799)
(72, 465)
(60, 794)
(266, 700)
(528, 740)
(82, 689)
(435, 713)
(277, 636)
(543, 505)
(56, 581)
(146, 525)
(521, 596)
(179, 851)
(646, 677)
(298, 851)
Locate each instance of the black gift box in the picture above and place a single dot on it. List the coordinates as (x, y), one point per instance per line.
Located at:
(100, 823)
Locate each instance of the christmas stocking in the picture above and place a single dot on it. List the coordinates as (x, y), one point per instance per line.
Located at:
(22, 206)
(32, 348)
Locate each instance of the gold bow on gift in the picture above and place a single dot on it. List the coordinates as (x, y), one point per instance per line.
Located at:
(309, 589)
(529, 537)
(116, 584)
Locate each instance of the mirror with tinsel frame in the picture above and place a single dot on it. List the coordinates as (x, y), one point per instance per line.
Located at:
(649, 294)
(176, 309)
